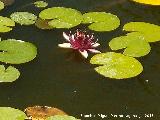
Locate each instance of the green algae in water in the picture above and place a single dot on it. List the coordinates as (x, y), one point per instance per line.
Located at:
(61, 17)
(8, 113)
(150, 31)
(116, 65)
(17, 51)
(61, 117)
(6, 24)
(135, 44)
(41, 4)
(8, 75)
(101, 21)
(23, 18)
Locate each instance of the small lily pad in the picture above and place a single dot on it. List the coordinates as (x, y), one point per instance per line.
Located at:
(23, 18)
(1, 5)
(61, 117)
(6, 24)
(8, 75)
(7, 113)
(41, 4)
(42, 24)
(134, 43)
(61, 17)
(150, 31)
(116, 65)
(101, 21)
(17, 51)
(150, 2)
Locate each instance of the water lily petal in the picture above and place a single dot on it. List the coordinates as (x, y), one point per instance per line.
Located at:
(65, 45)
(96, 45)
(66, 36)
(94, 51)
(84, 53)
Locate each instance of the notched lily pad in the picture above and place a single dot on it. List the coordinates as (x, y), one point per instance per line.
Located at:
(6, 24)
(101, 21)
(150, 31)
(1, 5)
(61, 17)
(7, 113)
(8, 75)
(135, 44)
(62, 117)
(23, 18)
(41, 4)
(42, 112)
(116, 65)
(17, 51)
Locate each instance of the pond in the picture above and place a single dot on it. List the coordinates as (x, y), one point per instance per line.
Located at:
(63, 79)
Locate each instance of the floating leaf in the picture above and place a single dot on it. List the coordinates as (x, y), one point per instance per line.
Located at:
(42, 112)
(116, 65)
(8, 2)
(151, 2)
(149, 31)
(6, 24)
(101, 21)
(8, 75)
(61, 117)
(17, 51)
(23, 18)
(42, 24)
(62, 17)
(1, 5)
(134, 43)
(41, 4)
(7, 113)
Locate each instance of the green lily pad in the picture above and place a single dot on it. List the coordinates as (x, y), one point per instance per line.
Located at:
(116, 65)
(41, 4)
(150, 31)
(42, 24)
(101, 21)
(135, 44)
(7, 113)
(61, 117)
(8, 75)
(1, 5)
(17, 51)
(23, 18)
(61, 17)
(6, 24)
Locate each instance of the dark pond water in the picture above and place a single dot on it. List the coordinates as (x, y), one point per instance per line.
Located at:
(61, 78)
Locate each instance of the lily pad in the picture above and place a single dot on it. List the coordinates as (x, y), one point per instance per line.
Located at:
(42, 24)
(41, 4)
(7, 113)
(101, 21)
(8, 75)
(134, 44)
(23, 18)
(61, 17)
(17, 51)
(6, 24)
(150, 2)
(150, 31)
(61, 117)
(8, 2)
(116, 65)
(1, 5)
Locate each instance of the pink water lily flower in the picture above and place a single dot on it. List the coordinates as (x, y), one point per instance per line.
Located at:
(80, 41)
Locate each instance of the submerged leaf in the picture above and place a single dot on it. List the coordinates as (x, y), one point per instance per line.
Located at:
(23, 18)
(42, 24)
(61, 117)
(101, 21)
(134, 43)
(17, 51)
(151, 32)
(6, 24)
(7, 113)
(8, 2)
(61, 17)
(1, 5)
(41, 4)
(116, 65)
(150, 2)
(8, 75)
